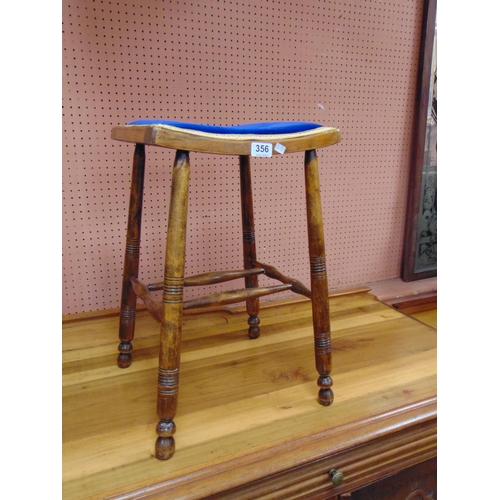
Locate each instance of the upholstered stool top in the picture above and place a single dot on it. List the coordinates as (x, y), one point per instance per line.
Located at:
(255, 139)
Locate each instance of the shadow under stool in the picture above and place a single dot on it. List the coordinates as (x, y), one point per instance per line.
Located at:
(261, 139)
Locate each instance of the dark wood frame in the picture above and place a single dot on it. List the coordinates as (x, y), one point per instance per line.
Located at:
(419, 137)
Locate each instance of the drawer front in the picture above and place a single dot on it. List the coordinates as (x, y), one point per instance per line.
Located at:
(358, 467)
(415, 483)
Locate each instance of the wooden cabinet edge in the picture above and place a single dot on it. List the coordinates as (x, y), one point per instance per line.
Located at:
(406, 438)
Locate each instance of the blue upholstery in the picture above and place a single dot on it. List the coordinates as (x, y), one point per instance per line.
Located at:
(249, 128)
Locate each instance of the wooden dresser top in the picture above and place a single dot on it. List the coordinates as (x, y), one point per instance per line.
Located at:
(248, 423)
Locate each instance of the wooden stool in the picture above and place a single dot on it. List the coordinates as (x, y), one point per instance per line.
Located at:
(262, 139)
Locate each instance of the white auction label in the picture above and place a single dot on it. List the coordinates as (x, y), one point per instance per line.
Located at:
(262, 149)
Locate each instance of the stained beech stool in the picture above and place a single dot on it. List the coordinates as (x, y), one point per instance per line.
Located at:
(261, 139)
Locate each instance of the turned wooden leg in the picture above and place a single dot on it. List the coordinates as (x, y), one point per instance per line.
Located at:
(249, 249)
(131, 265)
(319, 282)
(171, 325)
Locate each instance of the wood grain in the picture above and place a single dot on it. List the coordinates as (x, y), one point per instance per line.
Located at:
(427, 317)
(249, 425)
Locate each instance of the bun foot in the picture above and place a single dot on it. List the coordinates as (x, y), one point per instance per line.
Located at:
(125, 357)
(165, 443)
(325, 395)
(254, 328)
(164, 448)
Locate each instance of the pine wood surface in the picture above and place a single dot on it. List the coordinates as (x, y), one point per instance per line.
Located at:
(427, 317)
(247, 408)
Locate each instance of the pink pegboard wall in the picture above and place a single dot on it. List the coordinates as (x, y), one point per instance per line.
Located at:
(351, 65)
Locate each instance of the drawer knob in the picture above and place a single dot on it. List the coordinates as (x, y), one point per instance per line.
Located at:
(336, 476)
